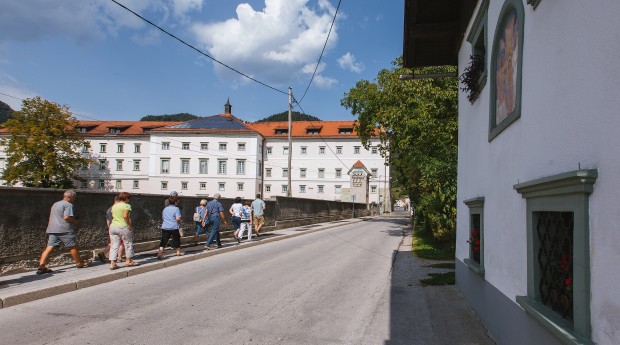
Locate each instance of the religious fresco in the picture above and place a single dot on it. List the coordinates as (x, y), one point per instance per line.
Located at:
(507, 67)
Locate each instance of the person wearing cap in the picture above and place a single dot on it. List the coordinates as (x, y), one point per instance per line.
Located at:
(215, 214)
(171, 216)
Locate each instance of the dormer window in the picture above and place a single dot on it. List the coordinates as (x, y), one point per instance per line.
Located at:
(81, 129)
(345, 130)
(313, 129)
(281, 130)
(146, 130)
(115, 130)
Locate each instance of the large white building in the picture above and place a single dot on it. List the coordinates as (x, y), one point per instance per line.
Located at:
(538, 167)
(222, 154)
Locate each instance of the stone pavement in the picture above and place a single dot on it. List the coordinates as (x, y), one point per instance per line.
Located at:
(423, 315)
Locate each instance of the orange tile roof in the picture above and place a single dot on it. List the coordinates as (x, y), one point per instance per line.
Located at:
(98, 128)
(299, 128)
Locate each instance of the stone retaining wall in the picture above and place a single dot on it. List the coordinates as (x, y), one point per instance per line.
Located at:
(24, 213)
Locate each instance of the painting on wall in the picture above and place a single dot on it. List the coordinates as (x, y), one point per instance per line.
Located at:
(506, 65)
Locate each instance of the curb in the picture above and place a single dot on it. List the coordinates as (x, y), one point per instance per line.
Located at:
(62, 288)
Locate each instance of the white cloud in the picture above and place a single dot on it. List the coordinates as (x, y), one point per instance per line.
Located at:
(83, 21)
(274, 43)
(181, 7)
(348, 62)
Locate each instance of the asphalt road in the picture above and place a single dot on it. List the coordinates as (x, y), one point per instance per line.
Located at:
(328, 287)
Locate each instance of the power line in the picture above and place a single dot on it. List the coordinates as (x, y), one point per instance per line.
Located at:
(198, 50)
(322, 52)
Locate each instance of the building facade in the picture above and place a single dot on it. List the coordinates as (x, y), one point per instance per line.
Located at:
(538, 168)
(223, 154)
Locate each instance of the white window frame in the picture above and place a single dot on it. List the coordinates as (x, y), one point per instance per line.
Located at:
(185, 166)
(223, 146)
(222, 166)
(204, 146)
(164, 166)
(136, 165)
(221, 186)
(136, 184)
(137, 148)
(240, 146)
(203, 166)
(119, 165)
(185, 145)
(120, 148)
(321, 173)
(165, 145)
(240, 166)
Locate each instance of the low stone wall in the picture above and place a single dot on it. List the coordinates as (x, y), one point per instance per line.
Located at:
(24, 213)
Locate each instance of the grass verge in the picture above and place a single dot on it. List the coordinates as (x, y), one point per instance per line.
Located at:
(427, 247)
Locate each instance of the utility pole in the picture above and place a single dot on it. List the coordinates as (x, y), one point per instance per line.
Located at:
(290, 146)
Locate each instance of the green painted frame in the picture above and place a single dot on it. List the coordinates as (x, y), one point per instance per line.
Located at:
(567, 192)
(476, 206)
(496, 128)
(477, 33)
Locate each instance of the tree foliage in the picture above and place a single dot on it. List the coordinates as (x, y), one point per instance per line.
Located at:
(417, 121)
(180, 117)
(295, 116)
(43, 146)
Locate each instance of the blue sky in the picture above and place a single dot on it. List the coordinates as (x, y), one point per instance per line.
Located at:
(107, 64)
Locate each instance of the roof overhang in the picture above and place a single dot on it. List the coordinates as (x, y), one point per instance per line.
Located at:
(433, 31)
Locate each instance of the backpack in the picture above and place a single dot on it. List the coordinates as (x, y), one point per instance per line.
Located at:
(245, 212)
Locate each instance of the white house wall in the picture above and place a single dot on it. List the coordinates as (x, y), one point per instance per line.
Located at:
(569, 120)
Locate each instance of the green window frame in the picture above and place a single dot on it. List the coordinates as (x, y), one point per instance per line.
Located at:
(477, 37)
(510, 8)
(567, 192)
(476, 210)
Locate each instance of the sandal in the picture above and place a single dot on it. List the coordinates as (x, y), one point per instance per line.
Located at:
(112, 268)
(81, 264)
(44, 270)
(132, 263)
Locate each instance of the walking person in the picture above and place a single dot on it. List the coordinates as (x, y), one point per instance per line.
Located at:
(235, 212)
(121, 229)
(215, 214)
(108, 220)
(171, 216)
(199, 218)
(60, 229)
(258, 213)
(246, 220)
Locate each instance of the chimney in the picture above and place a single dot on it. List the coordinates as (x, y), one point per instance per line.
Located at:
(227, 107)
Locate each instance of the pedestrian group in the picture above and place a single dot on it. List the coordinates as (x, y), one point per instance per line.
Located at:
(207, 217)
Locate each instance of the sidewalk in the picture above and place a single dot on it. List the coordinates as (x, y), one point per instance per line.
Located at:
(27, 286)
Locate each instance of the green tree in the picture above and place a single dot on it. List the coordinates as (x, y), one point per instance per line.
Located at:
(5, 112)
(181, 117)
(417, 123)
(43, 146)
(295, 116)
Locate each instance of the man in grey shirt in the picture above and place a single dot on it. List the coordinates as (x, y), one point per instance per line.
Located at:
(60, 230)
(258, 211)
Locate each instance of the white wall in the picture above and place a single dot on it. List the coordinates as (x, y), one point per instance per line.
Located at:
(569, 119)
(312, 161)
